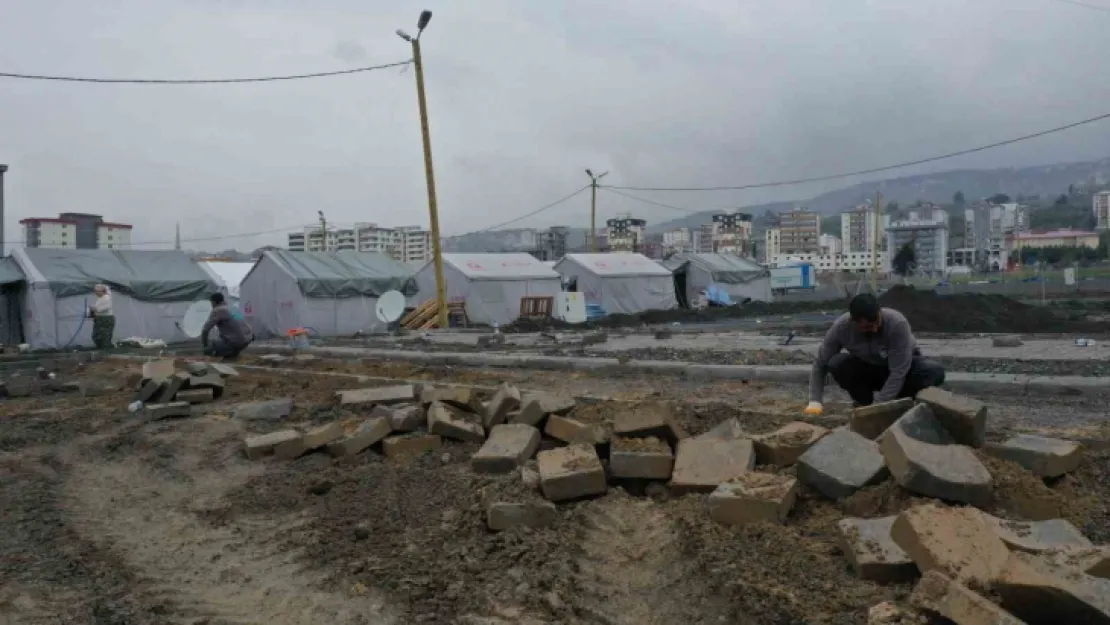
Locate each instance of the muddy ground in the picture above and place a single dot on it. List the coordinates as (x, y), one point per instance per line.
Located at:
(108, 519)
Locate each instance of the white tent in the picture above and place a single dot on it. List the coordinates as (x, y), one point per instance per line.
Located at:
(490, 284)
(230, 275)
(620, 283)
(329, 293)
(719, 274)
(151, 290)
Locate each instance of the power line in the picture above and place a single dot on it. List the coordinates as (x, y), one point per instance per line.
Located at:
(653, 202)
(873, 170)
(1077, 3)
(527, 215)
(201, 81)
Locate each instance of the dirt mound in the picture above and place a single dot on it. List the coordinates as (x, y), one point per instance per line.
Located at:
(972, 312)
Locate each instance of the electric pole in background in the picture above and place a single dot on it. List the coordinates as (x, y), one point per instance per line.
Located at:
(433, 210)
(593, 207)
(323, 231)
(875, 242)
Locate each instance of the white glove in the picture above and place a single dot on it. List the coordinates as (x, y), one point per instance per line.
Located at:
(814, 409)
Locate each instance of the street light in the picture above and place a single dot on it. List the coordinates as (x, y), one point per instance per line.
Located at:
(593, 207)
(433, 210)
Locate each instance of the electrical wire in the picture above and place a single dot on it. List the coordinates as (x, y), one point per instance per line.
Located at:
(526, 215)
(201, 81)
(873, 170)
(653, 202)
(1077, 3)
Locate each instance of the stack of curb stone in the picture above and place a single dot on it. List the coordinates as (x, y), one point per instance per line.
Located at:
(166, 392)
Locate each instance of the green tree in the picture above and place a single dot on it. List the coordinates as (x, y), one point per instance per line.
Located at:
(959, 199)
(904, 259)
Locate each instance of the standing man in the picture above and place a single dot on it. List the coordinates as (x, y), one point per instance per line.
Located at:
(882, 362)
(104, 320)
(234, 332)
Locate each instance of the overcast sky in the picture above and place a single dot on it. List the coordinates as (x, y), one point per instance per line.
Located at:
(523, 95)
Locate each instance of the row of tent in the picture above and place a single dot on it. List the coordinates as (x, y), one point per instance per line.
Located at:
(44, 294)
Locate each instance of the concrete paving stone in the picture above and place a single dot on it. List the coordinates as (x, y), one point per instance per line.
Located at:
(409, 445)
(841, 463)
(147, 392)
(381, 395)
(567, 430)
(167, 410)
(450, 422)
(271, 410)
(24, 386)
(1038, 536)
(366, 434)
(225, 370)
(263, 444)
(458, 396)
(312, 439)
(210, 380)
(964, 418)
(1046, 589)
(1006, 341)
(955, 541)
(571, 472)
(785, 445)
(1044, 456)
(158, 369)
(887, 613)
(871, 421)
(654, 419)
(729, 429)
(174, 383)
(403, 418)
(196, 368)
(945, 471)
(938, 594)
(196, 396)
(501, 515)
(872, 552)
(753, 498)
(535, 407)
(703, 464)
(508, 447)
(505, 399)
(274, 359)
(639, 458)
(1094, 561)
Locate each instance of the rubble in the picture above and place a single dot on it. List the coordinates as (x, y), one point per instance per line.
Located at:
(366, 434)
(263, 444)
(312, 439)
(197, 368)
(405, 418)
(1037, 536)
(450, 423)
(785, 445)
(567, 430)
(158, 369)
(505, 399)
(729, 429)
(502, 515)
(955, 541)
(872, 552)
(886, 613)
(535, 407)
(841, 463)
(571, 472)
(381, 395)
(938, 594)
(639, 458)
(167, 410)
(964, 418)
(530, 475)
(508, 447)
(1047, 589)
(871, 421)
(224, 370)
(1045, 457)
(147, 392)
(409, 445)
(458, 396)
(923, 459)
(272, 410)
(753, 498)
(703, 464)
(655, 419)
(211, 380)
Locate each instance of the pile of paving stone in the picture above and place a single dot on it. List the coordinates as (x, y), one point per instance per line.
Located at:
(163, 392)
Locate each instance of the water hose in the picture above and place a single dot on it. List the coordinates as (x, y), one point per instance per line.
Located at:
(79, 326)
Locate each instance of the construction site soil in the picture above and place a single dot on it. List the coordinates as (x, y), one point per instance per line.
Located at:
(109, 518)
(926, 311)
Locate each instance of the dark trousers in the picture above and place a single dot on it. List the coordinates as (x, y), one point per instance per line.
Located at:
(102, 330)
(861, 379)
(221, 348)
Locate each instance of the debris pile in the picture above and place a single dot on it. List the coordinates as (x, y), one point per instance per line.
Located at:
(162, 391)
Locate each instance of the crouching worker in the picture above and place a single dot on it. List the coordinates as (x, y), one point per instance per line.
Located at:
(882, 362)
(234, 334)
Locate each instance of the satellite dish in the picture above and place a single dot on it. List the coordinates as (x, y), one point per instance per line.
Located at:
(391, 305)
(195, 317)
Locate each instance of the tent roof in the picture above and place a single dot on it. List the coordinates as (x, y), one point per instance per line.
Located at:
(10, 271)
(346, 273)
(499, 266)
(231, 273)
(162, 275)
(619, 264)
(724, 268)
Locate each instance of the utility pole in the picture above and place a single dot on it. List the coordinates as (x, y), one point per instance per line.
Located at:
(177, 236)
(323, 231)
(593, 207)
(875, 241)
(433, 209)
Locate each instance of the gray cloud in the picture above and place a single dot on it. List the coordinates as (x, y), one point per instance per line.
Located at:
(523, 96)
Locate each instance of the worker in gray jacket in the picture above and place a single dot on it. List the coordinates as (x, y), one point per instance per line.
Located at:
(234, 334)
(882, 362)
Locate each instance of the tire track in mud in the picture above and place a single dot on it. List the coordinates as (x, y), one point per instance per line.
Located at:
(225, 574)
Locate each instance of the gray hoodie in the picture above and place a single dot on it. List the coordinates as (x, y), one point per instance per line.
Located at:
(892, 346)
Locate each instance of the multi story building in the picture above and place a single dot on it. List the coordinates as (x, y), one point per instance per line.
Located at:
(858, 229)
(830, 244)
(405, 243)
(798, 231)
(550, 244)
(678, 241)
(853, 262)
(732, 233)
(625, 233)
(927, 231)
(1100, 205)
(986, 230)
(703, 239)
(1053, 238)
(771, 249)
(81, 231)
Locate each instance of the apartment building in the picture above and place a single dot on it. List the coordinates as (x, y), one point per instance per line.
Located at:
(625, 233)
(550, 244)
(830, 244)
(1100, 205)
(404, 243)
(927, 231)
(852, 262)
(732, 233)
(986, 230)
(81, 231)
(798, 231)
(703, 239)
(858, 228)
(678, 241)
